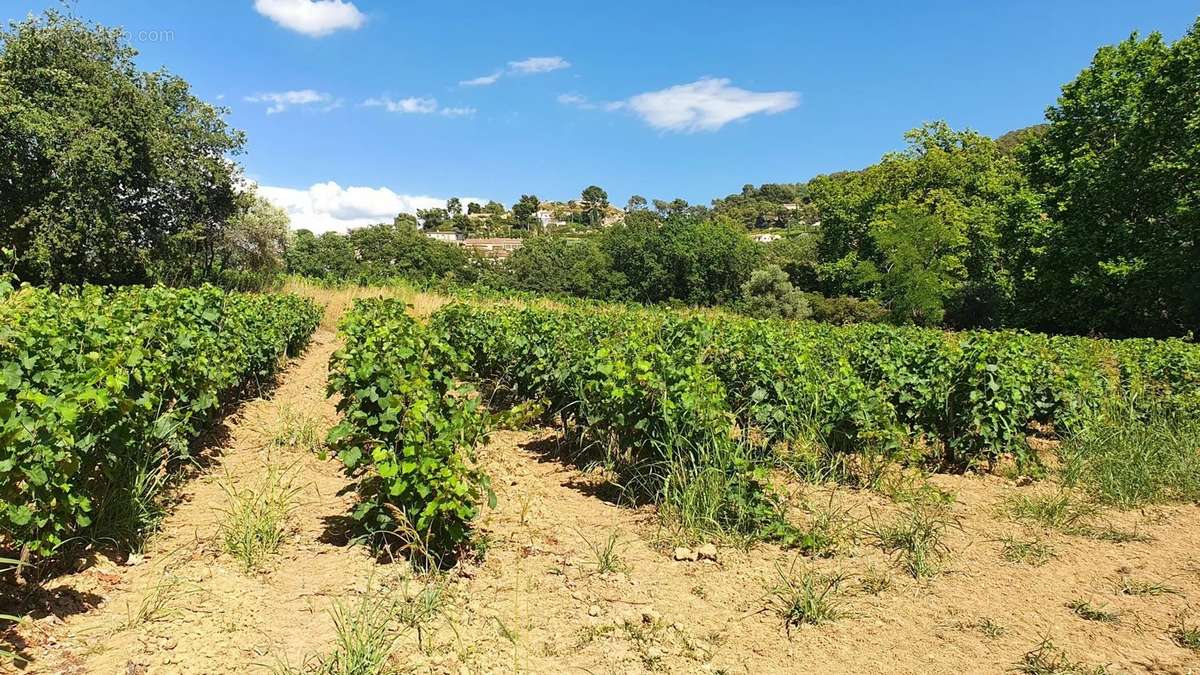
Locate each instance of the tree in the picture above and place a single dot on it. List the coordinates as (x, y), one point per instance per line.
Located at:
(494, 208)
(1119, 252)
(595, 203)
(524, 210)
(107, 173)
(473, 208)
(454, 207)
(550, 264)
(920, 267)
(255, 240)
(961, 177)
(688, 259)
(769, 295)
(635, 203)
(432, 219)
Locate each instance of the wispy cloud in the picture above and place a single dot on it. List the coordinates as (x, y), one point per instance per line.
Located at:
(326, 207)
(415, 105)
(529, 66)
(314, 18)
(538, 64)
(705, 105)
(482, 81)
(576, 101)
(282, 100)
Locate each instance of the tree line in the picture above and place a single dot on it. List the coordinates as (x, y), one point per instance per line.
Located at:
(1086, 223)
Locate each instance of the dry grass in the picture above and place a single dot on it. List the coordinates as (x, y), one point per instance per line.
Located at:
(336, 300)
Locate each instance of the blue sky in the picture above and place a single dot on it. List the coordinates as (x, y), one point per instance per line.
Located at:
(355, 110)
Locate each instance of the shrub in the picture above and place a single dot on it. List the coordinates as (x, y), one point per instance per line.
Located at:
(407, 432)
(769, 295)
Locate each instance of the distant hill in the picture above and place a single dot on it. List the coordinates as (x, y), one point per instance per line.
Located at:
(1009, 142)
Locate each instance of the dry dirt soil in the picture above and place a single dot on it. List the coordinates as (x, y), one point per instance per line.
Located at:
(537, 603)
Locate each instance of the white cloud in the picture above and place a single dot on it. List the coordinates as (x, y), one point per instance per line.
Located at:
(529, 66)
(314, 18)
(538, 64)
(328, 207)
(706, 105)
(576, 101)
(281, 100)
(413, 104)
(482, 81)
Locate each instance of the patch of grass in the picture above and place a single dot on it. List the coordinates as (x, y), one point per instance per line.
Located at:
(605, 557)
(298, 431)
(807, 597)
(1184, 633)
(418, 609)
(1089, 612)
(255, 520)
(1033, 552)
(909, 488)
(1116, 535)
(830, 530)
(990, 628)
(1058, 511)
(363, 643)
(1127, 585)
(874, 581)
(1047, 659)
(155, 604)
(1128, 459)
(917, 538)
(589, 634)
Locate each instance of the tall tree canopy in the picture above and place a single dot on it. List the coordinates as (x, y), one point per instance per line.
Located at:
(975, 192)
(1119, 251)
(105, 170)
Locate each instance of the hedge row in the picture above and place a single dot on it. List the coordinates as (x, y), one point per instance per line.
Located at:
(102, 390)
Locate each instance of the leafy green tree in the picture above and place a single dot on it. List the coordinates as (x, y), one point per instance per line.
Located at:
(433, 219)
(635, 203)
(1120, 250)
(552, 264)
(473, 208)
(494, 208)
(921, 268)
(693, 260)
(772, 205)
(524, 210)
(303, 254)
(106, 171)
(454, 207)
(963, 179)
(595, 203)
(769, 295)
(254, 244)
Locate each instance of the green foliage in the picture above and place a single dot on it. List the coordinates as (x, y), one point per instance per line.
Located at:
(99, 387)
(556, 265)
(687, 259)
(93, 195)
(946, 203)
(1118, 164)
(769, 295)
(770, 205)
(407, 430)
